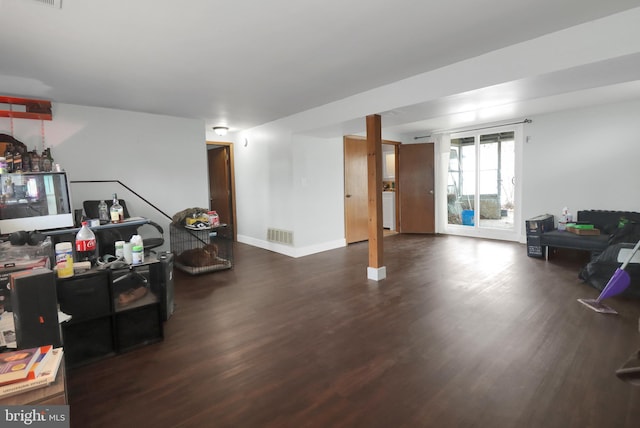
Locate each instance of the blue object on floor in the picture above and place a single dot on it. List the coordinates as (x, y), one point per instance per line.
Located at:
(467, 217)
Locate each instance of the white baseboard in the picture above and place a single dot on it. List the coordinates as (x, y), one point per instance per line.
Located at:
(292, 251)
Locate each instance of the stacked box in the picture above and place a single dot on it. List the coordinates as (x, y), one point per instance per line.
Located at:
(540, 224)
(536, 226)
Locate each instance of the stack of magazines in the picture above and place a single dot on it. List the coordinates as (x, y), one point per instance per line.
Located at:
(26, 369)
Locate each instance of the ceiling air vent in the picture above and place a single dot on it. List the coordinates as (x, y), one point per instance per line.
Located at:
(52, 3)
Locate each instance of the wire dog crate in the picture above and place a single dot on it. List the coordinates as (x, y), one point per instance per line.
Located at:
(202, 250)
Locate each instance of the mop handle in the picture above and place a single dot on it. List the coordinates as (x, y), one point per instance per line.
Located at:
(633, 253)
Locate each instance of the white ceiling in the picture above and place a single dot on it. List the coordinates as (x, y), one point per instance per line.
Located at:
(243, 63)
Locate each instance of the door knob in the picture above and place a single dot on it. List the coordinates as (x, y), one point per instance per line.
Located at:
(431, 191)
(347, 196)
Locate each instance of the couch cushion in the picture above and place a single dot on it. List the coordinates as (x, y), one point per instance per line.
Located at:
(564, 239)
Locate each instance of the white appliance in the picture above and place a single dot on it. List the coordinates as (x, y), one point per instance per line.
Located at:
(389, 210)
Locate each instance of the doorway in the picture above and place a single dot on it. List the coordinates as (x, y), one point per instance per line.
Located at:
(408, 188)
(416, 188)
(222, 183)
(356, 215)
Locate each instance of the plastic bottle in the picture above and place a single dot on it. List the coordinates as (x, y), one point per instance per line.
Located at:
(17, 161)
(136, 241)
(137, 256)
(86, 244)
(35, 161)
(64, 259)
(103, 212)
(8, 155)
(117, 212)
(46, 160)
(119, 249)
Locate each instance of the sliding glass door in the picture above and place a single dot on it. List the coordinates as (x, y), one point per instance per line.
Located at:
(482, 183)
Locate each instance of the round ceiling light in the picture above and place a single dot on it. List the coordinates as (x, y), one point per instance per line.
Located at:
(220, 130)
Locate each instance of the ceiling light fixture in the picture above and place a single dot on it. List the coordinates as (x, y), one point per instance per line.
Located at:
(220, 130)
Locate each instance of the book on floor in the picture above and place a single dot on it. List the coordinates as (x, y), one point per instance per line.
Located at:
(15, 365)
(48, 373)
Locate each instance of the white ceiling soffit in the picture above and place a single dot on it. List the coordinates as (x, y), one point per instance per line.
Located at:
(575, 87)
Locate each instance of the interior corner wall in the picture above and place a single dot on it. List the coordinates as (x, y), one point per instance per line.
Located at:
(162, 158)
(582, 159)
(263, 178)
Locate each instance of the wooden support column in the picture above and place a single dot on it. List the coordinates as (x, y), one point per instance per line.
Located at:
(376, 270)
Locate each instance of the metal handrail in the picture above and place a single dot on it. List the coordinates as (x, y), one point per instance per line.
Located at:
(129, 189)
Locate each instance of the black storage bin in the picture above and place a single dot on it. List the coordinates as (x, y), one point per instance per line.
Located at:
(85, 296)
(538, 225)
(138, 327)
(87, 341)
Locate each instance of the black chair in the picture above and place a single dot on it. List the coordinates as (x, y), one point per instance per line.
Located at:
(108, 237)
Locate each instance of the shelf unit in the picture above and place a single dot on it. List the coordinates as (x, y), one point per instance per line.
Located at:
(203, 250)
(33, 109)
(101, 325)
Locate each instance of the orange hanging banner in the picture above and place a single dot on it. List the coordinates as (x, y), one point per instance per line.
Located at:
(33, 109)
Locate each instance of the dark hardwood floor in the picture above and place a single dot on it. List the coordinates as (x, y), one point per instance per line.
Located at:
(463, 333)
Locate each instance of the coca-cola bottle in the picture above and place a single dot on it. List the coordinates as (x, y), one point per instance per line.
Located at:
(86, 245)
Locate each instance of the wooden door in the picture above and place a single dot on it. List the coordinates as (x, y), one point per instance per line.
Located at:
(355, 190)
(416, 188)
(220, 183)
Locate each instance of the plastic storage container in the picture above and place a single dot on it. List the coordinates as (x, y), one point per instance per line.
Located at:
(64, 259)
(467, 217)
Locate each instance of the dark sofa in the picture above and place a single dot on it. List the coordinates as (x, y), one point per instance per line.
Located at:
(608, 222)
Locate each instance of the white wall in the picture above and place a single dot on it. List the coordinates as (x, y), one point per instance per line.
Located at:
(318, 194)
(583, 159)
(162, 158)
(264, 184)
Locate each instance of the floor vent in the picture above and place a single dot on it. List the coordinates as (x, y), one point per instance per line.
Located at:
(280, 236)
(52, 3)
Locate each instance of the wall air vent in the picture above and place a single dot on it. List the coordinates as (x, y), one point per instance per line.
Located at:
(280, 236)
(53, 3)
